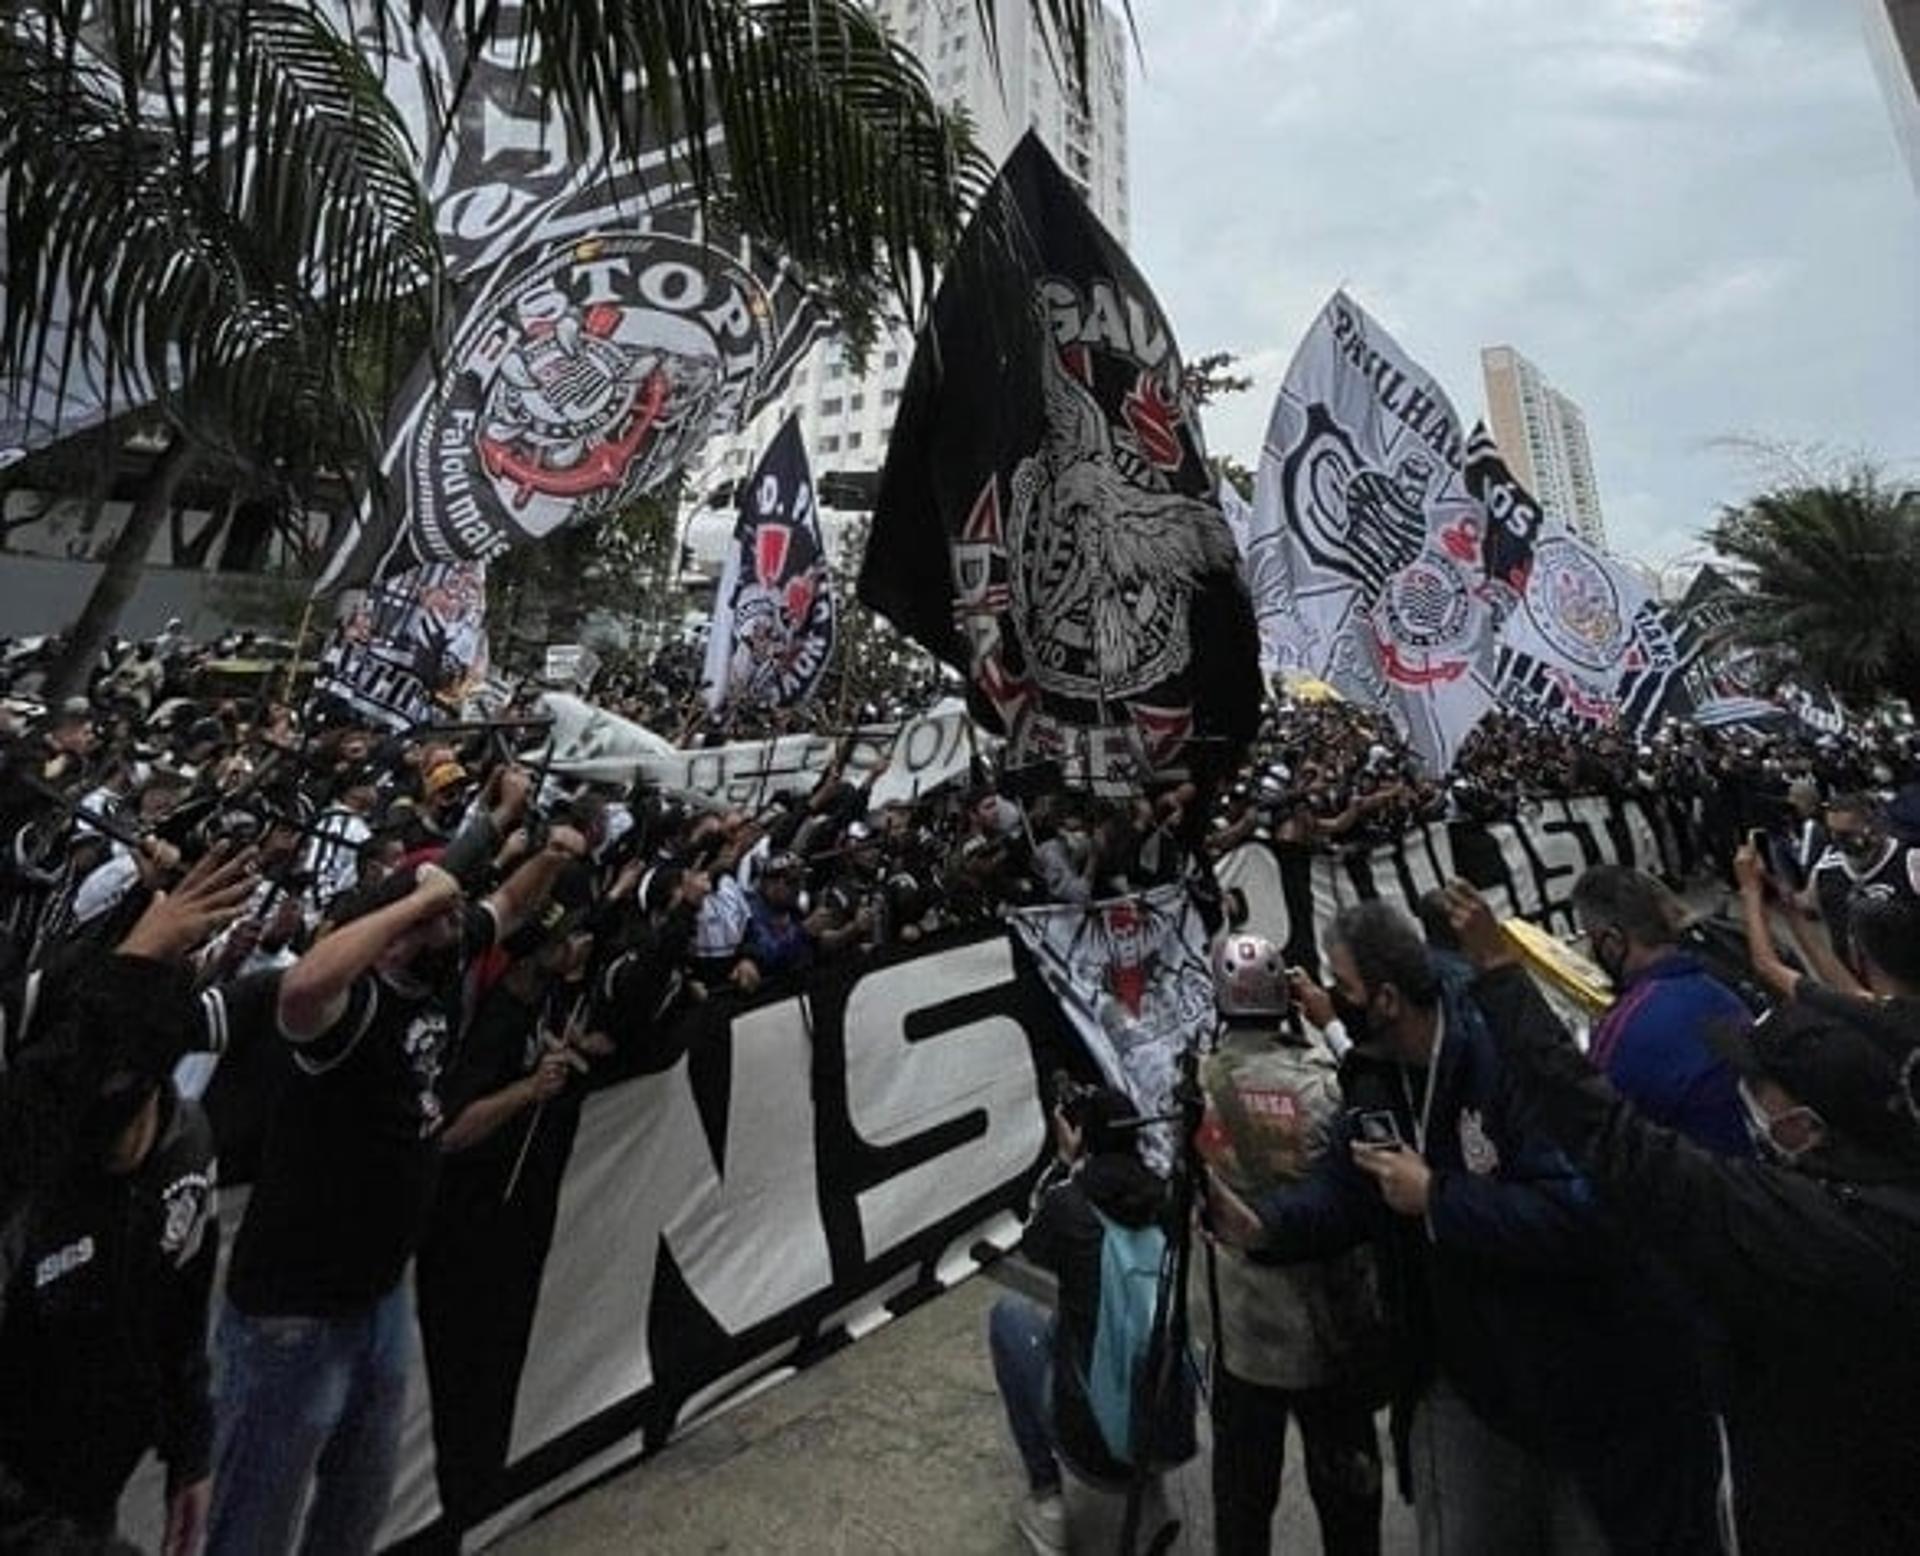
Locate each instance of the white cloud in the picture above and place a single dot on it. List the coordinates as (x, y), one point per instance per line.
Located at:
(1691, 213)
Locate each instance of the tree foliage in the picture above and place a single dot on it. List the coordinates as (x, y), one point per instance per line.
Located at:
(218, 198)
(1831, 571)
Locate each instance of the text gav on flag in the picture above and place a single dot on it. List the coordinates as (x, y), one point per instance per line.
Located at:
(1046, 521)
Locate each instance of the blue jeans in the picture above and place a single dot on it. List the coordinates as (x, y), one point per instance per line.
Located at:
(301, 1402)
(1020, 1338)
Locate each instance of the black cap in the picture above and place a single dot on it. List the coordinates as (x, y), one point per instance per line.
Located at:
(1846, 1059)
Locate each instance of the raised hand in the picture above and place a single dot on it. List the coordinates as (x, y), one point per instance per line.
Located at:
(209, 897)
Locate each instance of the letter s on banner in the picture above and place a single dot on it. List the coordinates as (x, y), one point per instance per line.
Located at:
(750, 1245)
(903, 1084)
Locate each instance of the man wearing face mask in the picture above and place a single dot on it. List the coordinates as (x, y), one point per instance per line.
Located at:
(1653, 1041)
(1860, 855)
(1546, 1394)
(1807, 1258)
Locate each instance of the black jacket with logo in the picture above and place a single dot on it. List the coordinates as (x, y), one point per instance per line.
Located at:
(103, 1350)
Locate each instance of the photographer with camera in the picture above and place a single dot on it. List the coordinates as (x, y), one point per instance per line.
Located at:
(1547, 1394)
(1298, 1341)
(1096, 1188)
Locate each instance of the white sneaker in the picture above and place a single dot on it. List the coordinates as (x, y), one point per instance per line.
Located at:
(1043, 1520)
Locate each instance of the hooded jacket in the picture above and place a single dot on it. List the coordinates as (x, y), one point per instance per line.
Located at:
(1812, 1274)
(1064, 1236)
(103, 1350)
(1651, 1045)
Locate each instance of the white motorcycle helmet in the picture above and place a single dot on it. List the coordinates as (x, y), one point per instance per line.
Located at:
(1249, 976)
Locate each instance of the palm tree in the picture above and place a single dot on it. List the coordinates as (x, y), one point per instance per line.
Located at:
(213, 205)
(1831, 574)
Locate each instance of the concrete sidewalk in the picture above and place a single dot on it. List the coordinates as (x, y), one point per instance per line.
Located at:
(896, 1444)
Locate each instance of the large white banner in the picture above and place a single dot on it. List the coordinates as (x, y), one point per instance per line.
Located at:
(1361, 499)
(920, 754)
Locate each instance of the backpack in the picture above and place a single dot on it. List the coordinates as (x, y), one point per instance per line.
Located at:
(1130, 1263)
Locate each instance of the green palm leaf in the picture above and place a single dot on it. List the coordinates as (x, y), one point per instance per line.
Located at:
(1830, 573)
(221, 199)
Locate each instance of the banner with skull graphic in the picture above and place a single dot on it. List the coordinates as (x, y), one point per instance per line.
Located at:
(1047, 522)
(773, 615)
(1132, 977)
(1361, 493)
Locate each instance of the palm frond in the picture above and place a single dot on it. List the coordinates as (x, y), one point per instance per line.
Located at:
(216, 195)
(1829, 572)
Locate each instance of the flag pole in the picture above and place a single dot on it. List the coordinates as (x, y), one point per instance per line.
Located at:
(299, 643)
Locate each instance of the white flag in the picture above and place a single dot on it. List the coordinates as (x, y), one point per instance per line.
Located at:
(1373, 584)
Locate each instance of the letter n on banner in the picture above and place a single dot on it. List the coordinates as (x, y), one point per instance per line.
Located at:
(749, 1243)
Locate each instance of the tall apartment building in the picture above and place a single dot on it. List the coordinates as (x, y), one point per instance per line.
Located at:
(847, 420)
(1893, 39)
(1543, 436)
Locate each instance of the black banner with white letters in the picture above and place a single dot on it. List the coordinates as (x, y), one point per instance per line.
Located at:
(1526, 867)
(753, 1188)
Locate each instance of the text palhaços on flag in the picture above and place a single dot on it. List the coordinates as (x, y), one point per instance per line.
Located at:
(1400, 560)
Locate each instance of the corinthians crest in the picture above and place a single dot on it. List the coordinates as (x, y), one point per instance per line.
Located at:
(1074, 589)
(583, 381)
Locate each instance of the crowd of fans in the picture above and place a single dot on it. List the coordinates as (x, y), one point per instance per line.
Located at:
(420, 939)
(664, 692)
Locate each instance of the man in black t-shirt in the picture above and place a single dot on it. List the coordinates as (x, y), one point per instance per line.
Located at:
(315, 1332)
(1861, 856)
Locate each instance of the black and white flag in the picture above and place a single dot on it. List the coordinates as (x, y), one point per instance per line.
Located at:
(1360, 494)
(1132, 977)
(582, 374)
(410, 649)
(605, 325)
(773, 615)
(1046, 521)
(1579, 637)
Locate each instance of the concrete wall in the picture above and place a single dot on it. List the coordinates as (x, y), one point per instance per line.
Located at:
(45, 594)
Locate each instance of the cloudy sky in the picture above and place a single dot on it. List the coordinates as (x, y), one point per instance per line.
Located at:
(1692, 214)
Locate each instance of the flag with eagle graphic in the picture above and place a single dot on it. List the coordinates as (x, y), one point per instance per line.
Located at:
(773, 616)
(1046, 521)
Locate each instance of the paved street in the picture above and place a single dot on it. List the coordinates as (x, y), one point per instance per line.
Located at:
(894, 1445)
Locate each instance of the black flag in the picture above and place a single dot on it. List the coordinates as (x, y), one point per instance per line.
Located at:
(773, 613)
(1046, 522)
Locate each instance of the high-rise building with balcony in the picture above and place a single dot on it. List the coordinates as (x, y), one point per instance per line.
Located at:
(1543, 437)
(846, 419)
(1893, 39)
